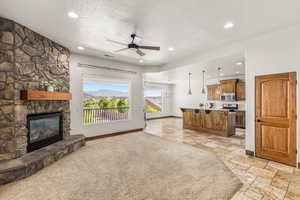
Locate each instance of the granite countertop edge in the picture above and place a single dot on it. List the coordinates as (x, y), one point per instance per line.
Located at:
(213, 109)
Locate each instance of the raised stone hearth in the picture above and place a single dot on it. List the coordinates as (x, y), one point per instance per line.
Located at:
(26, 59)
(32, 162)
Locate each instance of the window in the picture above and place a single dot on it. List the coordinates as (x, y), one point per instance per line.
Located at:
(105, 102)
(153, 100)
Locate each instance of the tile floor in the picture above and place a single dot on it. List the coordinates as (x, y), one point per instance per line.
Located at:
(262, 179)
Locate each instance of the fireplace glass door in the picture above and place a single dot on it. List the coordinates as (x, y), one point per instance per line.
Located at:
(43, 129)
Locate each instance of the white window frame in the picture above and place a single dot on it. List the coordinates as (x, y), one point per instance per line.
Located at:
(104, 80)
(164, 100)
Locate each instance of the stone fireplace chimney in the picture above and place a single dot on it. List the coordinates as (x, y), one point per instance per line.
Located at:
(26, 59)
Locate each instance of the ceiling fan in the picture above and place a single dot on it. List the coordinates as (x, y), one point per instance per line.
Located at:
(134, 46)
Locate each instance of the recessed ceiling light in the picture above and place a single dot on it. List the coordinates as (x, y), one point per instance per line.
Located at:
(239, 63)
(171, 49)
(221, 74)
(141, 60)
(73, 15)
(237, 72)
(228, 25)
(80, 48)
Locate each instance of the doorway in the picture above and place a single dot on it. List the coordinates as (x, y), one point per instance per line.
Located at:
(276, 117)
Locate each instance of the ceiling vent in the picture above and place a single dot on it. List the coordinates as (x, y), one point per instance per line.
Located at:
(109, 56)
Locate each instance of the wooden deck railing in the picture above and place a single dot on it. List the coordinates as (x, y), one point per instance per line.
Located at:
(104, 115)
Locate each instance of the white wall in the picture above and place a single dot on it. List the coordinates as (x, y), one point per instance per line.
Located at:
(276, 52)
(76, 76)
(183, 100)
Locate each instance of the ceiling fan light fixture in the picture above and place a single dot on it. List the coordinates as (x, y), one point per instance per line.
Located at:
(133, 46)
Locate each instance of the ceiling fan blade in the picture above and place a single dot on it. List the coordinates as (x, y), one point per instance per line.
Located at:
(116, 42)
(150, 48)
(120, 50)
(140, 52)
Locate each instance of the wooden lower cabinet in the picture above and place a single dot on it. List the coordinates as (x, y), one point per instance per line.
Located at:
(187, 116)
(240, 119)
(210, 121)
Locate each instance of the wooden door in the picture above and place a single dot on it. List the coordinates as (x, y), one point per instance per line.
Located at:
(276, 117)
(240, 91)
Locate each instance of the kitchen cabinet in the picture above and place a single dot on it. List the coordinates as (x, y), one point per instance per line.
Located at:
(228, 86)
(187, 116)
(217, 122)
(240, 91)
(213, 92)
(240, 121)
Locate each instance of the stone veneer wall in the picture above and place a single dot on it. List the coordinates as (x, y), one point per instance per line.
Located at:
(27, 58)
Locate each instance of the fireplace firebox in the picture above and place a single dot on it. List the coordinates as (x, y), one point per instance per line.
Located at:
(44, 129)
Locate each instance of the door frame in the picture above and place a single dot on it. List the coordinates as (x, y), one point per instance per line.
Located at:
(294, 74)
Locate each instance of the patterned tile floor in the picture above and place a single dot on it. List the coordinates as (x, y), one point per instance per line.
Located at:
(262, 179)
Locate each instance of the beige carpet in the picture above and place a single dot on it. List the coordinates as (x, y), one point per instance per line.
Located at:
(135, 166)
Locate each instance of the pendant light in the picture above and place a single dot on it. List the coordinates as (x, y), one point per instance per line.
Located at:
(219, 78)
(203, 86)
(190, 90)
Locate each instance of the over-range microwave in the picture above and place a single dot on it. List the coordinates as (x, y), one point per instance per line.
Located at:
(227, 97)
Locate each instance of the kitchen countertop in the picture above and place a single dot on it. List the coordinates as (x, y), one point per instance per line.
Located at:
(215, 109)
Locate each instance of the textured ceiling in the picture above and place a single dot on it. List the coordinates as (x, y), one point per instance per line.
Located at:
(190, 26)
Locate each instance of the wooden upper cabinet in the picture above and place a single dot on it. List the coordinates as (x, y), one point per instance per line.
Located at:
(213, 92)
(228, 86)
(240, 91)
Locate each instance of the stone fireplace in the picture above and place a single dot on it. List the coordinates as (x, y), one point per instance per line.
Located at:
(26, 59)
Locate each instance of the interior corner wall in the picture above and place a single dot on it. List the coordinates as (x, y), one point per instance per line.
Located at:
(276, 52)
(76, 78)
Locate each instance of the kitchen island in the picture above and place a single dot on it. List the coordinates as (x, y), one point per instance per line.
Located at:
(218, 122)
